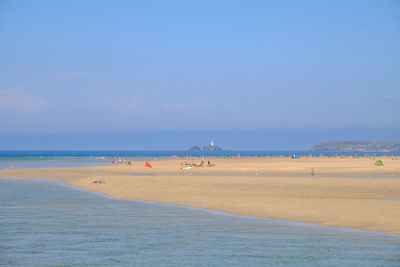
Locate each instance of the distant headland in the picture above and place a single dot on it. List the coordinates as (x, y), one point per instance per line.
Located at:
(360, 146)
(209, 147)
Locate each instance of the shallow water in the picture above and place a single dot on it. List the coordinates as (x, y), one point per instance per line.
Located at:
(52, 162)
(43, 223)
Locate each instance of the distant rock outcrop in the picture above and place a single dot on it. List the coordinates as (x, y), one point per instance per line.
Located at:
(212, 147)
(360, 146)
(195, 148)
(209, 147)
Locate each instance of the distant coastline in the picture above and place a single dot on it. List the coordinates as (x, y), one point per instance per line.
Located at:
(359, 146)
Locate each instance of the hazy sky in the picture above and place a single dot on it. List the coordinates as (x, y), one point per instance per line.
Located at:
(111, 67)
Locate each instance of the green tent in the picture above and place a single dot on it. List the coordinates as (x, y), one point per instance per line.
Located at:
(379, 163)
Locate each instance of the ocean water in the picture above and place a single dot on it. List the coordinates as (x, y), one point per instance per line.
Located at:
(50, 224)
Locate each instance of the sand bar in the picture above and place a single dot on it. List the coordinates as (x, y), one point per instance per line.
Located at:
(342, 193)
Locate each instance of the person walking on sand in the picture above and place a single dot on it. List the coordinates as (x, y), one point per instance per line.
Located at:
(312, 172)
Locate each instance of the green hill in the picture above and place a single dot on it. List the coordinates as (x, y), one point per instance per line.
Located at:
(362, 146)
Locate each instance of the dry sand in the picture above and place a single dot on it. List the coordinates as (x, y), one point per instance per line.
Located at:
(342, 193)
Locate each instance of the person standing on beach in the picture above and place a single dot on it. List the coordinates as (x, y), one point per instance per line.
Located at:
(312, 172)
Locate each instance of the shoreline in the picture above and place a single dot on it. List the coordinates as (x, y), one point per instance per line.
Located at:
(351, 203)
(212, 212)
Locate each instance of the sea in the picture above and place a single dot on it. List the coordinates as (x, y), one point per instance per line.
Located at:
(52, 224)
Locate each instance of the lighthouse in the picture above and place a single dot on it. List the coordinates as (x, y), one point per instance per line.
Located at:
(212, 147)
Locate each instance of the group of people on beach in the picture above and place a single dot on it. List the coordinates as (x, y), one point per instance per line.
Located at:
(99, 181)
(118, 161)
(187, 165)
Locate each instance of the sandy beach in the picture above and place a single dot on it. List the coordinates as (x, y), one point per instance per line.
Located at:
(345, 192)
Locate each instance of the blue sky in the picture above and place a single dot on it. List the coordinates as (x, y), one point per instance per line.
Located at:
(274, 74)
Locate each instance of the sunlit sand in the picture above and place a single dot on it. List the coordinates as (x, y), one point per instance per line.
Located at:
(345, 192)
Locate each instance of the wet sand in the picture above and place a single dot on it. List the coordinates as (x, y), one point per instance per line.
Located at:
(341, 194)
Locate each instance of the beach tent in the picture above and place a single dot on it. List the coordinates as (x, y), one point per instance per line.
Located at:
(379, 163)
